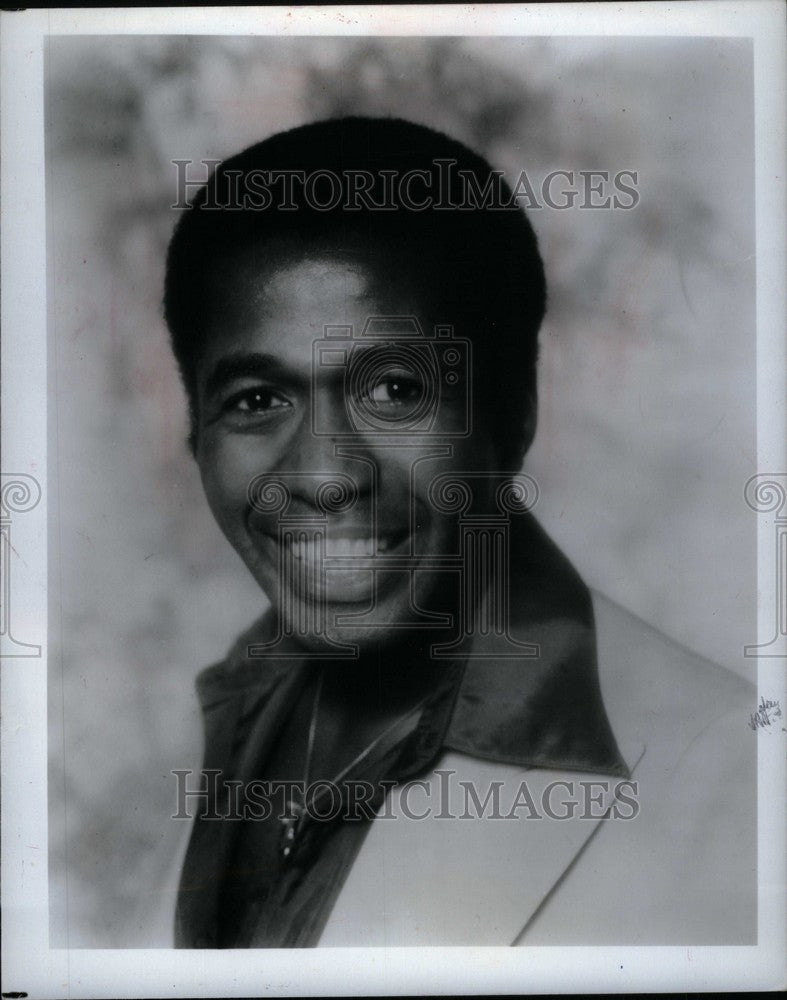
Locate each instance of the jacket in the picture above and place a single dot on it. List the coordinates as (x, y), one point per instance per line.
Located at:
(668, 857)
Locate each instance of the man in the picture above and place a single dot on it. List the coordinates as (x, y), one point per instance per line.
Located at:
(354, 306)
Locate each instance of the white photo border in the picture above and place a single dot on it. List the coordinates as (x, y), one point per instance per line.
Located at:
(30, 965)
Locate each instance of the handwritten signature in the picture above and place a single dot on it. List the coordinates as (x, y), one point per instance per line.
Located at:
(766, 712)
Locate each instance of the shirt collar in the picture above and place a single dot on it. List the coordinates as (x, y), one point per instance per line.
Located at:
(540, 711)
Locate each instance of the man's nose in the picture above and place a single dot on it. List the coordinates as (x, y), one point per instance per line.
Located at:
(316, 458)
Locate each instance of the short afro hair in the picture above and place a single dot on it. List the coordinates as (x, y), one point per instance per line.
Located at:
(469, 245)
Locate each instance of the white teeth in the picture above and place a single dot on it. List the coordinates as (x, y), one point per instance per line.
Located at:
(305, 550)
(311, 550)
(349, 547)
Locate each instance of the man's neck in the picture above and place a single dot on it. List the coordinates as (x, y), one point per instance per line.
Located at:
(360, 699)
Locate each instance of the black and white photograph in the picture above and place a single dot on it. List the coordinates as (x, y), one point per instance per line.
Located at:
(394, 592)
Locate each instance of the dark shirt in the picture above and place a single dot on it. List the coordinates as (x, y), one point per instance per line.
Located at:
(237, 889)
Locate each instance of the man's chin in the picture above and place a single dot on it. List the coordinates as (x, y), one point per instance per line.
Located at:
(355, 626)
(353, 642)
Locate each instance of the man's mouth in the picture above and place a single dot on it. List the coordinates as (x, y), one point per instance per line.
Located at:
(337, 565)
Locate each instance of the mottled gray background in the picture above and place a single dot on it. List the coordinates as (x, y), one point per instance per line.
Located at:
(647, 411)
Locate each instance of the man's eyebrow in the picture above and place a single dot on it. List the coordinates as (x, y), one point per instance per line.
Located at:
(246, 365)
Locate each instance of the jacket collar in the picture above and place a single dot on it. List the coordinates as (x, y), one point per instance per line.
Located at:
(545, 710)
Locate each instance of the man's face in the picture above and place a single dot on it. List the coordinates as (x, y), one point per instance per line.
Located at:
(265, 408)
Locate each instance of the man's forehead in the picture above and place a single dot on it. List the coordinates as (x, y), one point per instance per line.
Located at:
(324, 285)
(281, 307)
(314, 283)
(282, 271)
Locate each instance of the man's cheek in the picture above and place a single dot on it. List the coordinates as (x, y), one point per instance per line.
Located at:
(225, 488)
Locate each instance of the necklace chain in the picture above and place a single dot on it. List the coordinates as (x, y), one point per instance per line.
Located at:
(293, 822)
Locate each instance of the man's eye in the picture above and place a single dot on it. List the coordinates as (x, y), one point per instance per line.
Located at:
(257, 400)
(396, 391)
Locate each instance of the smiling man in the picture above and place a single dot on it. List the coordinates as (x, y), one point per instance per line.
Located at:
(264, 399)
(354, 306)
